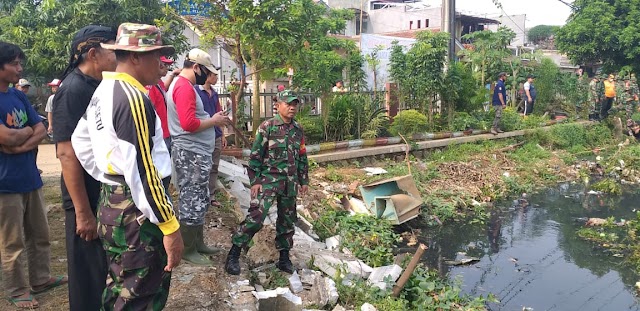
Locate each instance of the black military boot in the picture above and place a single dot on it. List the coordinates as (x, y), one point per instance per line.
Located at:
(284, 264)
(232, 265)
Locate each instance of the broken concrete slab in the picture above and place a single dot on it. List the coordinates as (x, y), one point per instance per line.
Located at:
(334, 267)
(339, 308)
(281, 299)
(333, 242)
(379, 275)
(308, 277)
(229, 170)
(295, 283)
(368, 307)
(300, 238)
(331, 289)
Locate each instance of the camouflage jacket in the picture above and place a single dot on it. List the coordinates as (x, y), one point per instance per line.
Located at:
(594, 93)
(278, 159)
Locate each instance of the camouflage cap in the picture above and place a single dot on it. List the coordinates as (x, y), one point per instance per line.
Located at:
(139, 38)
(287, 96)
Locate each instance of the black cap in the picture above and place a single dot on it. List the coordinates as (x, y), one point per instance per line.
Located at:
(531, 77)
(86, 38)
(502, 74)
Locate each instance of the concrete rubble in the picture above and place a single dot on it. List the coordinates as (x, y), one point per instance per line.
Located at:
(281, 299)
(368, 307)
(379, 276)
(306, 287)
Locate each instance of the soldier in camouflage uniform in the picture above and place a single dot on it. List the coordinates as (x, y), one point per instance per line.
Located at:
(278, 167)
(594, 98)
(119, 142)
(634, 93)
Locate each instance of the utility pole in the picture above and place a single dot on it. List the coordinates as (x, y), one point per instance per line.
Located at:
(448, 25)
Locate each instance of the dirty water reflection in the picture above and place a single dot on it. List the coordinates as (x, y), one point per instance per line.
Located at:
(530, 256)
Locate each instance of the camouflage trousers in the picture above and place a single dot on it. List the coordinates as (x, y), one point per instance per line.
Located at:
(258, 210)
(192, 178)
(136, 255)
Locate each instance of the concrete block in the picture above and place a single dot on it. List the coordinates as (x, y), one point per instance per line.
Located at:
(378, 275)
(368, 307)
(332, 291)
(295, 283)
(333, 242)
(281, 299)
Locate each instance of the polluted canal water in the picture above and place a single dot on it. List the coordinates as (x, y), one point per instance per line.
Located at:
(527, 253)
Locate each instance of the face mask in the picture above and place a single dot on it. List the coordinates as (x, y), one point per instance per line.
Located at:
(201, 77)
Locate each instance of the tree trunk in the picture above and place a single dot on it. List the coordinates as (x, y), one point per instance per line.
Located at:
(255, 109)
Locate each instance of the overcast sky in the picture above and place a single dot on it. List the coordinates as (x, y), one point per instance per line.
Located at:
(539, 12)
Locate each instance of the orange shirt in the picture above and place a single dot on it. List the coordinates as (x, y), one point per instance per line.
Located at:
(609, 89)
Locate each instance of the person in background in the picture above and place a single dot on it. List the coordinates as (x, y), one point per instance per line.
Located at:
(530, 95)
(54, 84)
(339, 87)
(609, 96)
(24, 230)
(86, 259)
(119, 142)
(594, 98)
(158, 93)
(278, 169)
(193, 137)
(212, 106)
(23, 86)
(499, 102)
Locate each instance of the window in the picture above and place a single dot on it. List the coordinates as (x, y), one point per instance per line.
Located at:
(426, 23)
(410, 25)
(419, 24)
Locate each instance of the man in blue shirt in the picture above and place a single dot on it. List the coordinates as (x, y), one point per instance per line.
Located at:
(211, 104)
(23, 220)
(499, 102)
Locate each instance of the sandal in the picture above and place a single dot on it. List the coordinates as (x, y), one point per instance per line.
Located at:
(58, 281)
(17, 300)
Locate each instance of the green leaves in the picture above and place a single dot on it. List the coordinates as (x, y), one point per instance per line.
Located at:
(602, 30)
(44, 29)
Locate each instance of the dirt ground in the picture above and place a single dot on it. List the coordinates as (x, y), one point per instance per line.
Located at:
(192, 287)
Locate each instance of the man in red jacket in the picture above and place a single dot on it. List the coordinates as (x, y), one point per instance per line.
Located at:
(157, 95)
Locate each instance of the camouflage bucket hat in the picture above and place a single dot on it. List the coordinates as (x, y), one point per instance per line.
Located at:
(139, 38)
(287, 96)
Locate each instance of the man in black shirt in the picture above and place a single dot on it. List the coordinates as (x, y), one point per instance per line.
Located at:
(86, 259)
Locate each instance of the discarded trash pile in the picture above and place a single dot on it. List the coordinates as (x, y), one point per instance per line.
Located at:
(396, 199)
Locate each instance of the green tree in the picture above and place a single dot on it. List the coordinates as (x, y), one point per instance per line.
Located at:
(547, 77)
(419, 72)
(605, 31)
(44, 28)
(541, 33)
(488, 53)
(273, 36)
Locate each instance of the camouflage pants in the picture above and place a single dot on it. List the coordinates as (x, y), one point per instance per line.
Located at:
(258, 210)
(192, 173)
(136, 255)
(496, 119)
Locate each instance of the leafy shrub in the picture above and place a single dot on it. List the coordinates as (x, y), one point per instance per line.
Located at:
(312, 126)
(534, 121)
(540, 136)
(598, 135)
(568, 135)
(409, 122)
(511, 120)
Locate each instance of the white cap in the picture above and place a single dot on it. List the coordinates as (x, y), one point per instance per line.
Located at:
(23, 82)
(201, 57)
(54, 82)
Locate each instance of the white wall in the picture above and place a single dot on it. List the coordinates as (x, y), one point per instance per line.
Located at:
(398, 19)
(515, 23)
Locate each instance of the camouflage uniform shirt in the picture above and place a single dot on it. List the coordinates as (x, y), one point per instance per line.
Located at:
(278, 159)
